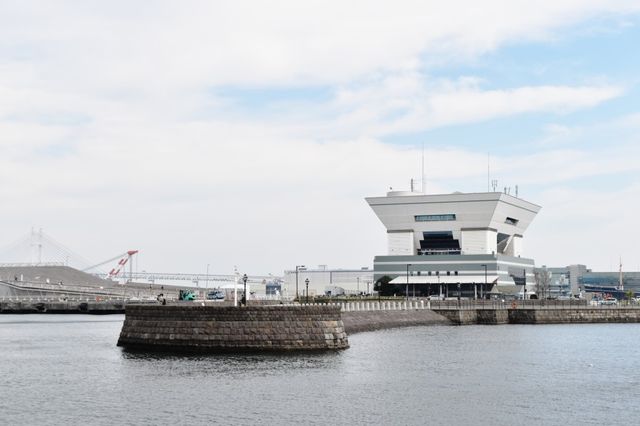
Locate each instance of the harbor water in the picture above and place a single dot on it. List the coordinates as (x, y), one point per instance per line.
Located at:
(67, 370)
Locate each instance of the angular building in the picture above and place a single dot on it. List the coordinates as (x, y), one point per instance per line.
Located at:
(455, 245)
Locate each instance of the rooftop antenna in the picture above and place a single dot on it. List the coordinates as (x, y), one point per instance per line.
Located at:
(411, 184)
(516, 191)
(494, 184)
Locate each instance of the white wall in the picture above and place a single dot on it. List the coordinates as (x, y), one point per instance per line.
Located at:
(400, 243)
(478, 242)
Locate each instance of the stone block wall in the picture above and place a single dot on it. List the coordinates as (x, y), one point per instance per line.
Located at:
(583, 315)
(191, 327)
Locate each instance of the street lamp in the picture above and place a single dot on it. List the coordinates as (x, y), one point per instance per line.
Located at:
(307, 283)
(407, 289)
(207, 279)
(244, 295)
(485, 282)
(297, 268)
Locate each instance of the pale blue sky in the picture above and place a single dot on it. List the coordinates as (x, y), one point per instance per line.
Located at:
(204, 133)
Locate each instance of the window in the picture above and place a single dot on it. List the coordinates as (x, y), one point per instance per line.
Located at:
(511, 221)
(429, 273)
(434, 217)
(448, 272)
(456, 272)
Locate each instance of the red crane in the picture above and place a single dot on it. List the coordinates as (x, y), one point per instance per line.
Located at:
(124, 258)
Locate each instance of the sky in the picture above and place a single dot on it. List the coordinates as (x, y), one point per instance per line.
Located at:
(247, 133)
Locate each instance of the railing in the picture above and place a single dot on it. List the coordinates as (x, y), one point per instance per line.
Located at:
(38, 299)
(59, 288)
(417, 304)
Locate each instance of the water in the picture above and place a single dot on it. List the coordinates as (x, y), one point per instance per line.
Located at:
(68, 370)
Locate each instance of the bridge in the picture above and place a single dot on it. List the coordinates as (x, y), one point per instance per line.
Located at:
(38, 249)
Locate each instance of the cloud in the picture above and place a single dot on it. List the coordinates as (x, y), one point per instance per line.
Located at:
(162, 47)
(114, 135)
(409, 103)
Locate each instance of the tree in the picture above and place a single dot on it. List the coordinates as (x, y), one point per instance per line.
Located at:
(629, 294)
(384, 287)
(543, 282)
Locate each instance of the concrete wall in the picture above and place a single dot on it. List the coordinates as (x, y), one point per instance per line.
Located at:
(190, 327)
(359, 321)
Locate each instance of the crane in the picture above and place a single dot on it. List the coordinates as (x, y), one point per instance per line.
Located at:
(123, 259)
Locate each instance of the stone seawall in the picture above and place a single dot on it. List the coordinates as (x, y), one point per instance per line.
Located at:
(566, 316)
(191, 327)
(359, 321)
(62, 307)
(541, 315)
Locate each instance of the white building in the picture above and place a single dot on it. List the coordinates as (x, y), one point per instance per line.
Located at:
(325, 281)
(455, 244)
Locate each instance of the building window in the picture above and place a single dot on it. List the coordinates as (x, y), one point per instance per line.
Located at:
(434, 217)
(448, 272)
(429, 273)
(511, 221)
(418, 273)
(456, 272)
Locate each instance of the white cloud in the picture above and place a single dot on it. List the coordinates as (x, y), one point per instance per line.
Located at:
(407, 103)
(112, 137)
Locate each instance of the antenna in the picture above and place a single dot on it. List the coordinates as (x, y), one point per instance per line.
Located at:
(411, 184)
(494, 184)
(516, 191)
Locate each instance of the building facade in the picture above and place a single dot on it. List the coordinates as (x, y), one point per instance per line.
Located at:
(583, 280)
(455, 245)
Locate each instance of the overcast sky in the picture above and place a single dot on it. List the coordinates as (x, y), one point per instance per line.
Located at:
(249, 133)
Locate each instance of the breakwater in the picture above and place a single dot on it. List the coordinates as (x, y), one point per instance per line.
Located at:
(190, 327)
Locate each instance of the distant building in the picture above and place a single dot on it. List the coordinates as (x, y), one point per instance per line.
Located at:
(460, 244)
(583, 280)
(326, 281)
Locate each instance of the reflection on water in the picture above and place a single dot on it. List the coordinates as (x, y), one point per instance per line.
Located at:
(67, 369)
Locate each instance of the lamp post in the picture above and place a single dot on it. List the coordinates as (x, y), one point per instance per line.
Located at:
(244, 295)
(407, 289)
(485, 282)
(297, 268)
(307, 291)
(206, 282)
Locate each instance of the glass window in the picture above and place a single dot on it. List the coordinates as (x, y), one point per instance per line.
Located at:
(511, 221)
(434, 217)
